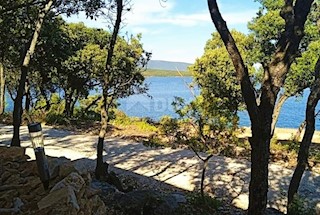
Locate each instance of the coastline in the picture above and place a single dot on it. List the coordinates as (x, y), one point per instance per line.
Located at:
(284, 133)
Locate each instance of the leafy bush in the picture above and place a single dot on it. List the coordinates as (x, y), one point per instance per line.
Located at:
(155, 142)
(142, 124)
(88, 115)
(206, 202)
(300, 206)
(6, 118)
(56, 119)
(121, 118)
(168, 125)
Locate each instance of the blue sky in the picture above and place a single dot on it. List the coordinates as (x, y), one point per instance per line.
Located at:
(177, 30)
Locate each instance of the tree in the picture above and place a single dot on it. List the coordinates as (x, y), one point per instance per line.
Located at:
(204, 127)
(68, 7)
(17, 111)
(214, 74)
(8, 7)
(53, 48)
(267, 27)
(82, 69)
(213, 114)
(122, 77)
(67, 59)
(294, 15)
(303, 155)
(11, 40)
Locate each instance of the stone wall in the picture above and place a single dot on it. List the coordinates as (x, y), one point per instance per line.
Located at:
(21, 190)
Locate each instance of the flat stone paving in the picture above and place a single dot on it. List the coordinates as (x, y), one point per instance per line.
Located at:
(225, 177)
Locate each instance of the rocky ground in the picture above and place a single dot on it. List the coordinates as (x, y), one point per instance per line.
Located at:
(21, 190)
(73, 190)
(226, 178)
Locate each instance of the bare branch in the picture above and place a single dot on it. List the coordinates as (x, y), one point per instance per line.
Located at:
(196, 152)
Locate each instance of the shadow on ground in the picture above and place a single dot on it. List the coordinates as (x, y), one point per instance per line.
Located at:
(226, 178)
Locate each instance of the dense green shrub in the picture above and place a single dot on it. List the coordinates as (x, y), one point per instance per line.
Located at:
(205, 202)
(300, 206)
(56, 119)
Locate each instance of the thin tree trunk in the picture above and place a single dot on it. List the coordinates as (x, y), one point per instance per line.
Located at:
(2, 89)
(302, 126)
(104, 120)
(73, 104)
(17, 110)
(205, 165)
(28, 96)
(297, 135)
(47, 100)
(303, 155)
(283, 97)
(101, 171)
(68, 101)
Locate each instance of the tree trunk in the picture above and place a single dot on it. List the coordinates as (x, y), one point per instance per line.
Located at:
(47, 100)
(258, 187)
(274, 76)
(303, 155)
(2, 89)
(68, 101)
(28, 96)
(17, 110)
(100, 172)
(283, 97)
(296, 137)
(205, 165)
(73, 104)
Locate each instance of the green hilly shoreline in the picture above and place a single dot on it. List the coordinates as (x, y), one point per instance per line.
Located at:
(165, 73)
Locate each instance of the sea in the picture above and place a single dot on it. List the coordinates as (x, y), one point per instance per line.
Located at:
(162, 91)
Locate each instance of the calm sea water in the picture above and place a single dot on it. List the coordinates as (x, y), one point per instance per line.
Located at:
(162, 91)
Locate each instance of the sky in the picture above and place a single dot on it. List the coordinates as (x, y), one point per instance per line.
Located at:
(177, 30)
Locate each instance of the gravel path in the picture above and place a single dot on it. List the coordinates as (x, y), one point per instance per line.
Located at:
(226, 177)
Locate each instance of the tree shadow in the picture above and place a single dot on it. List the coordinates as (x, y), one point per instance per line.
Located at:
(226, 178)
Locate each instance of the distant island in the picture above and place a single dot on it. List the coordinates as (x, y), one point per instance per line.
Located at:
(163, 68)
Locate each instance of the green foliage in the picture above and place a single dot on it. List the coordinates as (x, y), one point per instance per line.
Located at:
(205, 128)
(142, 124)
(56, 119)
(52, 116)
(206, 203)
(168, 125)
(155, 142)
(300, 206)
(125, 77)
(284, 146)
(301, 75)
(267, 27)
(53, 45)
(215, 75)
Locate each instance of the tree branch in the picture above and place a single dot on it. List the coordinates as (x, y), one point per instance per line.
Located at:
(288, 44)
(247, 89)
